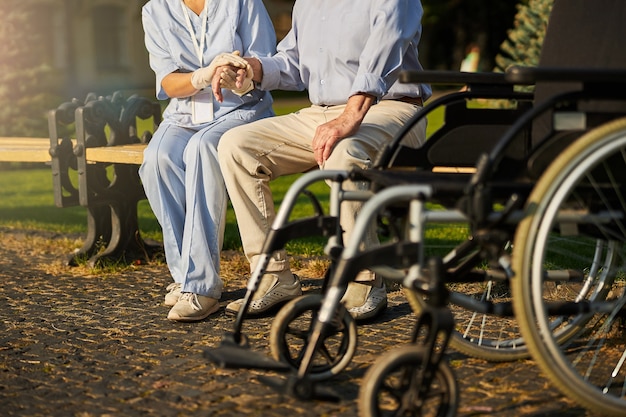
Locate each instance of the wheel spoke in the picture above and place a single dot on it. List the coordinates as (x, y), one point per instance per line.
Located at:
(577, 224)
(290, 336)
(297, 333)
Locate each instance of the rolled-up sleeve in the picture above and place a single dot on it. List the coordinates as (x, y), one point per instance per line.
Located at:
(394, 27)
(160, 57)
(253, 21)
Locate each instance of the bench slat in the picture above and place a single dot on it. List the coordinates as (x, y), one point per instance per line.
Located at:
(26, 149)
(122, 154)
(14, 149)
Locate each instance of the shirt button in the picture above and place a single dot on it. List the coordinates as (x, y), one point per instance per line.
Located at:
(322, 82)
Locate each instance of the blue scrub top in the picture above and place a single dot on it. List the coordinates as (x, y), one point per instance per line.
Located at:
(242, 25)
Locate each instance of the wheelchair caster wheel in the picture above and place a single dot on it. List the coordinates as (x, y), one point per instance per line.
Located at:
(391, 387)
(290, 332)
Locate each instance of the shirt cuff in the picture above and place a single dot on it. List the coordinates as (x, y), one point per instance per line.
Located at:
(369, 84)
(271, 74)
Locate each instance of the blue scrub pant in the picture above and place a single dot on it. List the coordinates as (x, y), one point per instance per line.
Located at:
(185, 188)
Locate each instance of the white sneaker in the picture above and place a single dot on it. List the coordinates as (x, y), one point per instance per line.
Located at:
(193, 307)
(174, 291)
(272, 291)
(375, 300)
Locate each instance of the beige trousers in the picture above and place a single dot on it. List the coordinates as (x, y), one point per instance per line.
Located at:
(252, 155)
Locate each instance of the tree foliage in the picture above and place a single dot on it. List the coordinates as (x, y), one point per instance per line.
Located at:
(525, 39)
(25, 93)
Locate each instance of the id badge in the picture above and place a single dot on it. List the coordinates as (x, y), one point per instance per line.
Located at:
(202, 107)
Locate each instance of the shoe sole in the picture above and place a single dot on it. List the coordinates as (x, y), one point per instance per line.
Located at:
(372, 314)
(255, 313)
(196, 318)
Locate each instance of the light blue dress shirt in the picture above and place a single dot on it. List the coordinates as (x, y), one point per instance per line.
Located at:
(337, 48)
(231, 26)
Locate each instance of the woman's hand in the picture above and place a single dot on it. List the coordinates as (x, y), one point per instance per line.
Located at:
(203, 77)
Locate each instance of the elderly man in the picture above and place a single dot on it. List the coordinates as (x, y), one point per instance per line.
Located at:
(348, 55)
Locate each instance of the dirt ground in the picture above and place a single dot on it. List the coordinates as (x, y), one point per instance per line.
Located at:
(77, 342)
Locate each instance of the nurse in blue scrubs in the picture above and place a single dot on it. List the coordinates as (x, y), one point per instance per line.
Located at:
(180, 173)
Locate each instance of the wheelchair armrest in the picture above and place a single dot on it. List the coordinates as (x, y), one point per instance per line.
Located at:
(453, 77)
(530, 75)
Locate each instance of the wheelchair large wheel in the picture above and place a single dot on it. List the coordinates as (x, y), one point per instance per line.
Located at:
(569, 270)
(390, 387)
(291, 330)
(486, 336)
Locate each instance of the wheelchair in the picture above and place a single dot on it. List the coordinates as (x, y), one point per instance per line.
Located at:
(567, 283)
(292, 323)
(528, 198)
(566, 265)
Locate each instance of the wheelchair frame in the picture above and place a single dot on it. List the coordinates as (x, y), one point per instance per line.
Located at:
(525, 188)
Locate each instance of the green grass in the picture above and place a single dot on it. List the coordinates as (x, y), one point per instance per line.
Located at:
(27, 202)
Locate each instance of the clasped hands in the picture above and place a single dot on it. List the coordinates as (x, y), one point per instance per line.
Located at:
(227, 70)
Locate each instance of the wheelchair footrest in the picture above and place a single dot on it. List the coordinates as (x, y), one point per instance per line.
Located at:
(233, 356)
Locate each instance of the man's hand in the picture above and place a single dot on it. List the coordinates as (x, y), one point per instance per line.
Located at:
(240, 81)
(347, 124)
(217, 84)
(203, 77)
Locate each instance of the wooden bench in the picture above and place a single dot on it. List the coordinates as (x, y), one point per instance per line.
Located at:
(25, 150)
(122, 154)
(98, 169)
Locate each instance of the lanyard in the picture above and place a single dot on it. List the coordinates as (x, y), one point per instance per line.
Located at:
(198, 47)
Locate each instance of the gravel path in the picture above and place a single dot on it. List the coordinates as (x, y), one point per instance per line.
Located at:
(74, 342)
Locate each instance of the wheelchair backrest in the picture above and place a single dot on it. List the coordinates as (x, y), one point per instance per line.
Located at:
(587, 34)
(580, 34)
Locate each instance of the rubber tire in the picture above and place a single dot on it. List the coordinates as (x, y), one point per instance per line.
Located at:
(547, 351)
(408, 356)
(295, 309)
